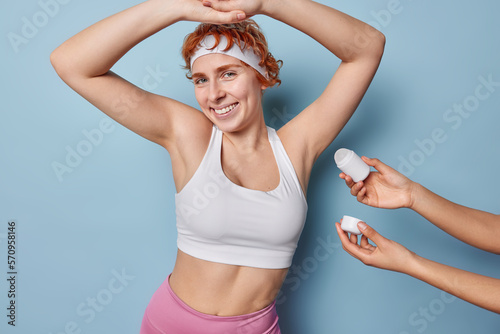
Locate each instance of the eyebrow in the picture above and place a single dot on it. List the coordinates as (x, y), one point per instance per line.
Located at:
(218, 69)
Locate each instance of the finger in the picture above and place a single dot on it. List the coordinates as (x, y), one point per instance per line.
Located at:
(354, 255)
(356, 188)
(378, 165)
(343, 235)
(364, 241)
(223, 6)
(215, 16)
(370, 233)
(365, 244)
(361, 195)
(344, 239)
(352, 249)
(348, 180)
(353, 238)
(218, 17)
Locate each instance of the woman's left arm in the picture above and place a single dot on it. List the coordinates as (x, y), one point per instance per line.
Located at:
(359, 47)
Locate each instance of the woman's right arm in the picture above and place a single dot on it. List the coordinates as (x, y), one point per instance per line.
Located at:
(84, 62)
(389, 189)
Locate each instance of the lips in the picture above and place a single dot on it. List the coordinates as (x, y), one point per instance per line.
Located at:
(226, 109)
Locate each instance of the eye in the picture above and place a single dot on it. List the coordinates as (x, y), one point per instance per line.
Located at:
(228, 75)
(200, 81)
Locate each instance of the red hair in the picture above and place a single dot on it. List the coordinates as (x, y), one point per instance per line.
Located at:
(247, 32)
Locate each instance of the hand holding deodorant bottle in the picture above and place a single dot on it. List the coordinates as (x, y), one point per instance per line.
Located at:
(351, 164)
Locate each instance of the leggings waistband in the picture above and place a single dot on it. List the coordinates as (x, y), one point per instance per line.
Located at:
(167, 313)
(189, 309)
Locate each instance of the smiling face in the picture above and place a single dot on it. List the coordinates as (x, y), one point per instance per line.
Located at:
(228, 91)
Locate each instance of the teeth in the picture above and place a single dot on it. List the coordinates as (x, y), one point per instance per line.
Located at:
(226, 109)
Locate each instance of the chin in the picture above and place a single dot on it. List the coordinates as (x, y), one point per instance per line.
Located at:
(227, 127)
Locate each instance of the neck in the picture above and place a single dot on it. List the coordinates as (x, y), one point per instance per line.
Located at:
(249, 139)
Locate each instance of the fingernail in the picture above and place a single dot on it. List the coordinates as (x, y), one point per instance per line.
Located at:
(240, 16)
(362, 226)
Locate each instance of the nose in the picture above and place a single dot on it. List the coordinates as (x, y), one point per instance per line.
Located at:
(216, 93)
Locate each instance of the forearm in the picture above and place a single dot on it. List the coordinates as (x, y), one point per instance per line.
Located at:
(477, 289)
(348, 38)
(93, 51)
(477, 228)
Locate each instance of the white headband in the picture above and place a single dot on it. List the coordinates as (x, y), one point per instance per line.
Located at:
(246, 55)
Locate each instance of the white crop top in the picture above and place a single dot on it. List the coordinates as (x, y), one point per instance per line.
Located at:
(220, 221)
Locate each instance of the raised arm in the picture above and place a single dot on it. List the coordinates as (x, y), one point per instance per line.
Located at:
(356, 44)
(389, 189)
(84, 62)
(480, 290)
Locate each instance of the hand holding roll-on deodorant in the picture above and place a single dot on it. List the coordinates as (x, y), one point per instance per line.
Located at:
(351, 164)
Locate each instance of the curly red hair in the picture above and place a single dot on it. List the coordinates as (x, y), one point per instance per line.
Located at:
(247, 32)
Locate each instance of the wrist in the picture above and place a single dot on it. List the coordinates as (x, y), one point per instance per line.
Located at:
(167, 11)
(270, 7)
(277, 9)
(414, 265)
(153, 12)
(416, 194)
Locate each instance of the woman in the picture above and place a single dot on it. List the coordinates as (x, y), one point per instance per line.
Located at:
(240, 186)
(389, 189)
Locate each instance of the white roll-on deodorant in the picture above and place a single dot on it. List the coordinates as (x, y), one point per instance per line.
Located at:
(350, 224)
(351, 164)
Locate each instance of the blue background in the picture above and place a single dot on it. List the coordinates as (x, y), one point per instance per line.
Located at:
(114, 212)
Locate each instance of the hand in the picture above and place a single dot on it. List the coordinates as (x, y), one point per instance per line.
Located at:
(249, 7)
(386, 188)
(386, 254)
(201, 11)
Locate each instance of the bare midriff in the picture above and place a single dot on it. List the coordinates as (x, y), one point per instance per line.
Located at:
(223, 289)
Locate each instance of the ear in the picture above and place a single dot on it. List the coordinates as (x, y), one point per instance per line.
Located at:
(263, 87)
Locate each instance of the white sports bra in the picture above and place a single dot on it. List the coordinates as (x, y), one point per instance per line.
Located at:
(220, 221)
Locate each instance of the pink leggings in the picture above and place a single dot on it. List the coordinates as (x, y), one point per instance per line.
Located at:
(168, 314)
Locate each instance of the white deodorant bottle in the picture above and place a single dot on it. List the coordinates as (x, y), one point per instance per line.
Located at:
(350, 224)
(351, 164)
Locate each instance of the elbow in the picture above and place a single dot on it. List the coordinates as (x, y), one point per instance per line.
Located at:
(369, 44)
(382, 43)
(60, 63)
(377, 45)
(56, 62)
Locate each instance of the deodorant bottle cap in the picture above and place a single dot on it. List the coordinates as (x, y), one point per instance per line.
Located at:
(350, 224)
(351, 164)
